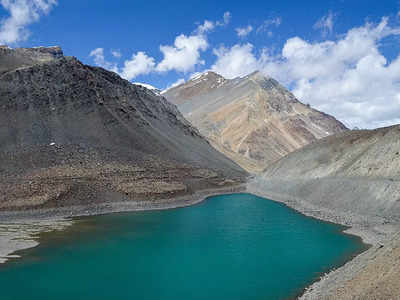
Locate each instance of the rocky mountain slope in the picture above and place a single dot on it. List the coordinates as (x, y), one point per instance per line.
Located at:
(253, 120)
(72, 134)
(357, 153)
(356, 171)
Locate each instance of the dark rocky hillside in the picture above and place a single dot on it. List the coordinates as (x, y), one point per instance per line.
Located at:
(75, 134)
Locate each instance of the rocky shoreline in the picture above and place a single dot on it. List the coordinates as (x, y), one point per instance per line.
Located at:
(341, 283)
(371, 230)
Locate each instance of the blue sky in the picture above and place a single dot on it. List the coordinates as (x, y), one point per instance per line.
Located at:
(296, 42)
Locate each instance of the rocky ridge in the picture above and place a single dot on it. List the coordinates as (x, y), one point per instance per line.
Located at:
(253, 119)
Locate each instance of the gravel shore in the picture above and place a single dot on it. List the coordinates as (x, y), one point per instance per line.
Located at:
(350, 281)
(23, 234)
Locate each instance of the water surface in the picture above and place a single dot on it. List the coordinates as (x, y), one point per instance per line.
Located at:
(237, 246)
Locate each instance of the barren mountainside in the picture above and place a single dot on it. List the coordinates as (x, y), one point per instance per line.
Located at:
(253, 120)
(72, 134)
(357, 153)
(356, 171)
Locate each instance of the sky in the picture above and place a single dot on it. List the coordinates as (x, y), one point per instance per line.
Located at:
(341, 57)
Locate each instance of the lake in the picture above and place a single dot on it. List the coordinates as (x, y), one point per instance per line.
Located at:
(236, 246)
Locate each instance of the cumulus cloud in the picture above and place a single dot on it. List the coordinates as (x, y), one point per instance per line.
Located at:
(139, 64)
(244, 31)
(99, 60)
(325, 24)
(349, 78)
(184, 55)
(22, 13)
(238, 60)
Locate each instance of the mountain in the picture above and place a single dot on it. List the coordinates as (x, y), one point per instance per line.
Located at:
(253, 119)
(356, 171)
(72, 134)
(356, 153)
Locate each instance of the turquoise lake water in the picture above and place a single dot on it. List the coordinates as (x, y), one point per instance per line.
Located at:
(237, 246)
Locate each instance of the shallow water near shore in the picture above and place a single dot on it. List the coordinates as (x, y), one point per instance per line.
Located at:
(236, 246)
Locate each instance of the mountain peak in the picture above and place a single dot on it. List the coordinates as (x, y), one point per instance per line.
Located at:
(208, 79)
(253, 119)
(264, 81)
(258, 76)
(207, 75)
(198, 84)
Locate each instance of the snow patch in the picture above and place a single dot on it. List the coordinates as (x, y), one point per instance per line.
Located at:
(147, 86)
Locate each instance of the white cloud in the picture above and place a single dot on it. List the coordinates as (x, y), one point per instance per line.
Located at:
(22, 13)
(116, 53)
(325, 24)
(349, 78)
(244, 31)
(139, 64)
(236, 61)
(99, 60)
(184, 55)
(264, 27)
